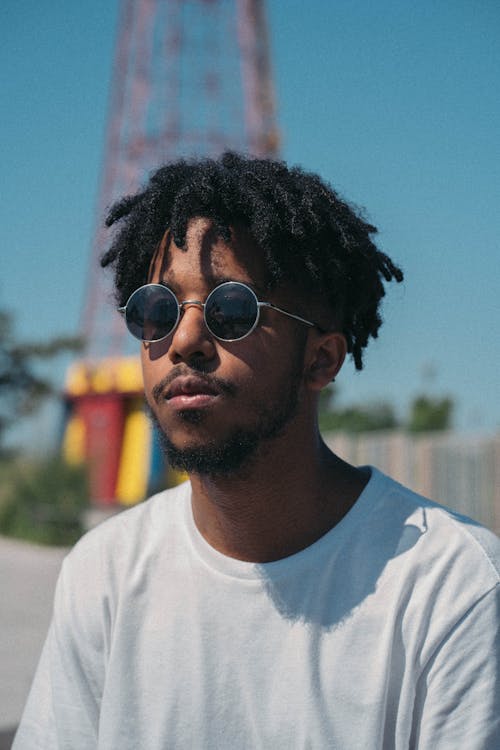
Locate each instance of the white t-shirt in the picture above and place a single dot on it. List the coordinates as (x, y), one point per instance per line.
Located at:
(382, 634)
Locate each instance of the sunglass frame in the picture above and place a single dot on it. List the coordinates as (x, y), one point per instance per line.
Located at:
(259, 304)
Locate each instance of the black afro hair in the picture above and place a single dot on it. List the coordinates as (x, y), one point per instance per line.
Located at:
(306, 232)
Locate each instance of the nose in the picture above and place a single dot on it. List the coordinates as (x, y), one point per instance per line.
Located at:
(191, 339)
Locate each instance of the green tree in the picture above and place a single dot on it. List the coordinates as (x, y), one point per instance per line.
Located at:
(428, 413)
(355, 418)
(43, 500)
(22, 387)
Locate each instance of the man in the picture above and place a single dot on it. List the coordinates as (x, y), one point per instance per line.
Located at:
(281, 598)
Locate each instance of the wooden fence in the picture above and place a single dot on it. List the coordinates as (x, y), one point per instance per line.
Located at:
(460, 471)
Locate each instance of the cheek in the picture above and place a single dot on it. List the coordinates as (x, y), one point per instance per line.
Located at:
(153, 370)
(264, 374)
(246, 361)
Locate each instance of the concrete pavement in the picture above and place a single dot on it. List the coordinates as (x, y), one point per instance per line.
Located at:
(28, 574)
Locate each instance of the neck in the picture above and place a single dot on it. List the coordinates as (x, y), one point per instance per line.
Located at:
(281, 502)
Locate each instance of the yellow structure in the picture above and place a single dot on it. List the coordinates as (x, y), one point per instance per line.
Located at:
(133, 472)
(117, 375)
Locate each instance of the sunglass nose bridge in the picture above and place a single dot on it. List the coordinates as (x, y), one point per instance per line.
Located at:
(189, 303)
(197, 302)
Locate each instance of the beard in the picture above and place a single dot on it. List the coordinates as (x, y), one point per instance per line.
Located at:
(226, 456)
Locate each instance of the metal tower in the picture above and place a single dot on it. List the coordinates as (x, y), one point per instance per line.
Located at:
(191, 77)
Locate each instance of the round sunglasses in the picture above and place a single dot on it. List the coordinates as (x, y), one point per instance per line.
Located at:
(231, 311)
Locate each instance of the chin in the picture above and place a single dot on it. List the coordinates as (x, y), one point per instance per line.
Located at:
(211, 458)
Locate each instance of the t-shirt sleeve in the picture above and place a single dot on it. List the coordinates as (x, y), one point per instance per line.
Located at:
(458, 699)
(62, 710)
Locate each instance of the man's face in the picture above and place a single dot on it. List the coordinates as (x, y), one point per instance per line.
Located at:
(217, 402)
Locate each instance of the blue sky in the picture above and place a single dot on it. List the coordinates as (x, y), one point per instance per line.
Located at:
(395, 103)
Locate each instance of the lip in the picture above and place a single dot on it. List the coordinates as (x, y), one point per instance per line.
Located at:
(190, 392)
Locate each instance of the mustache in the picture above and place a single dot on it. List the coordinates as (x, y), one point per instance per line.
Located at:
(219, 384)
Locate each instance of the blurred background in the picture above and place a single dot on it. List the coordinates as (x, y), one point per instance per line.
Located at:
(396, 105)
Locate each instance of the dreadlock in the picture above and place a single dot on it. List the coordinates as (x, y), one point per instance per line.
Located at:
(308, 235)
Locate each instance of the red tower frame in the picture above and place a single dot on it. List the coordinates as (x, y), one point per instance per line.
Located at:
(191, 77)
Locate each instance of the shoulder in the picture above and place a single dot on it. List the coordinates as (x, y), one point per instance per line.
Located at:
(114, 559)
(442, 558)
(443, 530)
(439, 529)
(430, 567)
(128, 537)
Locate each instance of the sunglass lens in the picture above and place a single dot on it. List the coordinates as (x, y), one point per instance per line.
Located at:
(152, 312)
(231, 311)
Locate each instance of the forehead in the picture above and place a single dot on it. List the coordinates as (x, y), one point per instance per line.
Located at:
(209, 257)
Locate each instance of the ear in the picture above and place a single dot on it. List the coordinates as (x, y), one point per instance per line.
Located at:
(326, 357)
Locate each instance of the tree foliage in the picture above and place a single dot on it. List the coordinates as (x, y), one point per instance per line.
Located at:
(355, 418)
(428, 413)
(43, 500)
(22, 387)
